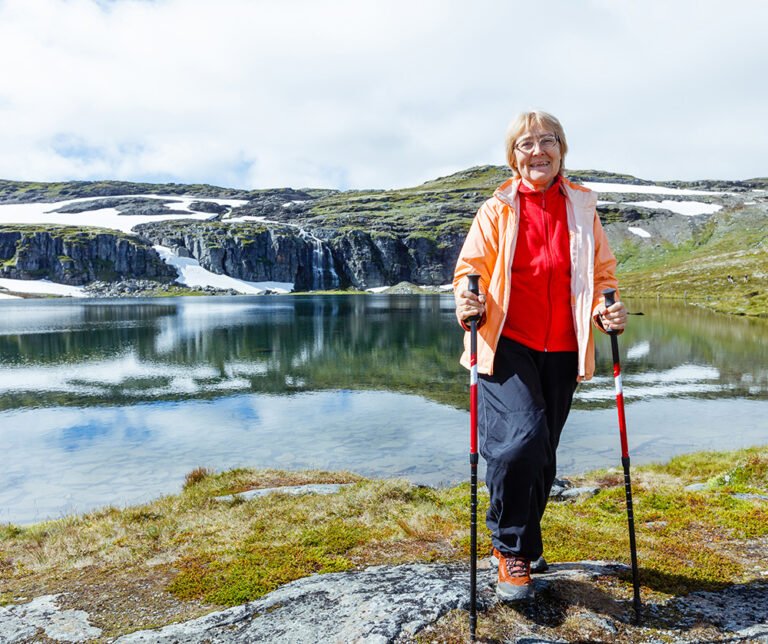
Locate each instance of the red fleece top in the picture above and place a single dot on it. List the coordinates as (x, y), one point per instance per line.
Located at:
(540, 314)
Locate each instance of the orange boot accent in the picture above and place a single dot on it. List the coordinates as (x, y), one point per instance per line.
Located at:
(514, 583)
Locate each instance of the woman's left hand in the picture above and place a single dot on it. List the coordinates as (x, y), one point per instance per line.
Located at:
(614, 318)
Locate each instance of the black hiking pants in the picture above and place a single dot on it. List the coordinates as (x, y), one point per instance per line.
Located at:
(522, 408)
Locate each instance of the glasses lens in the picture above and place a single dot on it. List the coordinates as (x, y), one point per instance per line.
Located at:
(547, 142)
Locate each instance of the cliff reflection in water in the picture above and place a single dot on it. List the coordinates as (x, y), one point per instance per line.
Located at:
(113, 402)
(122, 352)
(108, 353)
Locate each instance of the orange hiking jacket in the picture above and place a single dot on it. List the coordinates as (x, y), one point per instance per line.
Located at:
(490, 247)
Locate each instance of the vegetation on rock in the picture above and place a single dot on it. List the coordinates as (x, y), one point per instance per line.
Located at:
(382, 237)
(190, 552)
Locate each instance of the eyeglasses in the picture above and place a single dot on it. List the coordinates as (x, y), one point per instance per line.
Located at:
(546, 142)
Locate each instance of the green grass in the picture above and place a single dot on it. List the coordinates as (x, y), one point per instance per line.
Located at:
(190, 548)
(711, 520)
(724, 267)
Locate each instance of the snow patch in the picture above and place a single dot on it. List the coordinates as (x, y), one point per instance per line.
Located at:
(687, 208)
(639, 232)
(649, 190)
(41, 287)
(192, 274)
(42, 213)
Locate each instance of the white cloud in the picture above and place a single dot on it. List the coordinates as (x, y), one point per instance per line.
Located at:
(342, 93)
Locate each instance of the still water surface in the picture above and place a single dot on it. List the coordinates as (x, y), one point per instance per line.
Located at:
(113, 402)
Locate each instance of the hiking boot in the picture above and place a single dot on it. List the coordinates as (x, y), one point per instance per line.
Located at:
(537, 565)
(514, 578)
(540, 565)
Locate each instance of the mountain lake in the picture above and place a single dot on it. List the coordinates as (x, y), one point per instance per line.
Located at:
(113, 402)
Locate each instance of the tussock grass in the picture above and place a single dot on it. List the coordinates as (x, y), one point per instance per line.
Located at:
(190, 548)
(724, 268)
(687, 540)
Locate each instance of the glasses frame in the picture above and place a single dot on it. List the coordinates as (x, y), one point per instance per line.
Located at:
(538, 142)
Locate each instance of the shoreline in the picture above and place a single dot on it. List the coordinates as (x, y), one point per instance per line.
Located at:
(188, 554)
(136, 289)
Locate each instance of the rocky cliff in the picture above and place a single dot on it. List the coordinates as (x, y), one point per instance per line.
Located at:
(325, 239)
(250, 251)
(75, 256)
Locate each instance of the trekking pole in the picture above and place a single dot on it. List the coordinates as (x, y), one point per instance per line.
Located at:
(609, 301)
(473, 287)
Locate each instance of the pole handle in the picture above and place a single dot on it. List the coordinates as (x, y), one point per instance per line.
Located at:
(610, 299)
(473, 287)
(474, 283)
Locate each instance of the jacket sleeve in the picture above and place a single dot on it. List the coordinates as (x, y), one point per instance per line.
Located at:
(479, 252)
(605, 271)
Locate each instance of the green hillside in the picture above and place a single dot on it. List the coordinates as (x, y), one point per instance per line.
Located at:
(725, 268)
(718, 261)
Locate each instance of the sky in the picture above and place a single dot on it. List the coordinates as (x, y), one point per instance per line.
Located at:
(376, 93)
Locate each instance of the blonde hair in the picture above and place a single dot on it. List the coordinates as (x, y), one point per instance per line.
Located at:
(523, 124)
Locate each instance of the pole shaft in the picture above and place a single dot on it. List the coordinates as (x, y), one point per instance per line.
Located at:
(609, 301)
(632, 543)
(619, 397)
(473, 480)
(474, 287)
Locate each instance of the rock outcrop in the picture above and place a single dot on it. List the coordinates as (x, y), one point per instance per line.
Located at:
(250, 251)
(257, 251)
(75, 256)
(128, 206)
(325, 239)
(384, 604)
(368, 260)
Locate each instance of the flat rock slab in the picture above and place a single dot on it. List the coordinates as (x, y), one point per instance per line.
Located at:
(740, 609)
(22, 622)
(393, 603)
(379, 604)
(297, 490)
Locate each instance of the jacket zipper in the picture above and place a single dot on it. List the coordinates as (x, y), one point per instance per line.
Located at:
(572, 228)
(514, 213)
(548, 252)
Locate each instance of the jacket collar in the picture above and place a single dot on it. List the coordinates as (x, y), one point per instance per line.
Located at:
(578, 195)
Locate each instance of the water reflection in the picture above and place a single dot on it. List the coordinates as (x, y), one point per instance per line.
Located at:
(113, 402)
(69, 460)
(97, 353)
(120, 352)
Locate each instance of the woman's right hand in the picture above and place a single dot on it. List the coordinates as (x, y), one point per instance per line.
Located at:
(468, 304)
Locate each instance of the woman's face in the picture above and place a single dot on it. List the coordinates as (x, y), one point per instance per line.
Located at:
(540, 166)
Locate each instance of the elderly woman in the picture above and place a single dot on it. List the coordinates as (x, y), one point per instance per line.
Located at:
(543, 261)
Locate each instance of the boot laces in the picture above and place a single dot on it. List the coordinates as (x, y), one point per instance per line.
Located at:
(517, 566)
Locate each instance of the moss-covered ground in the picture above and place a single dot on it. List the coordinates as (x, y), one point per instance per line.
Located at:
(183, 555)
(724, 268)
